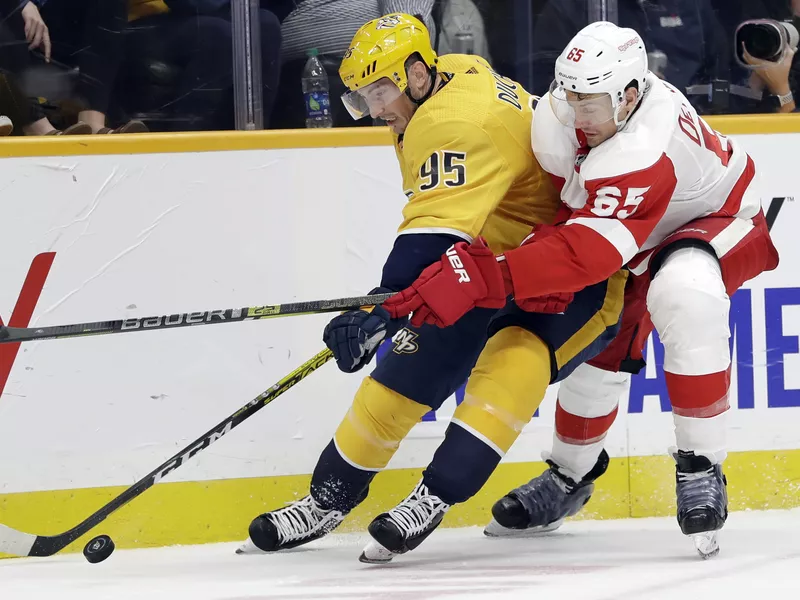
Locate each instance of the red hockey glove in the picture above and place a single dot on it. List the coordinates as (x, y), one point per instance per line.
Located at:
(466, 277)
(553, 303)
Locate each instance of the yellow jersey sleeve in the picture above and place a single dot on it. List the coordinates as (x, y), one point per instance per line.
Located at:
(455, 176)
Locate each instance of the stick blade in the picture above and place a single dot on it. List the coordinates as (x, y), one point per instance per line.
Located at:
(16, 542)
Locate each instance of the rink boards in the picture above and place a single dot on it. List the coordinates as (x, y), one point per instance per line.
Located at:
(158, 224)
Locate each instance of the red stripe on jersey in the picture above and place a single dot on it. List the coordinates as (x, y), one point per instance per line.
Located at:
(704, 229)
(577, 255)
(659, 182)
(563, 214)
(734, 202)
(558, 182)
(573, 429)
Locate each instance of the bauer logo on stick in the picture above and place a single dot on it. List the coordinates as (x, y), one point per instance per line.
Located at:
(179, 319)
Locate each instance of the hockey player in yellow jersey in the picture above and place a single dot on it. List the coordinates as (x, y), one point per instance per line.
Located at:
(462, 138)
(463, 145)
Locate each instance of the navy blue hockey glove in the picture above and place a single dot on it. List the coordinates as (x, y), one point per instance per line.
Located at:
(354, 337)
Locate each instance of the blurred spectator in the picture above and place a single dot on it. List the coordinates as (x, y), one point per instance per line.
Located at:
(84, 34)
(768, 85)
(328, 26)
(772, 79)
(505, 21)
(180, 57)
(270, 33)
(683, 35)
(6, 126)
(460, 29)
(180, 69)
(15, 58)
(28, 113)
(87, 34)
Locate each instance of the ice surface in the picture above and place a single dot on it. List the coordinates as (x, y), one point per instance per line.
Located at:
(634, 559)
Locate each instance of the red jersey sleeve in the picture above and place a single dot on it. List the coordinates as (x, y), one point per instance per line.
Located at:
(598, 239)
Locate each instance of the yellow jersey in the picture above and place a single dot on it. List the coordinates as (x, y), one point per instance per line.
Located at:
(467, 163)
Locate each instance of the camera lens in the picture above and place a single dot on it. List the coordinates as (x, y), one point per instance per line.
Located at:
(762, 39)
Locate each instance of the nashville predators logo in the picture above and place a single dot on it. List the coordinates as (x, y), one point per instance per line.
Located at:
(388, 22)
(404, 342)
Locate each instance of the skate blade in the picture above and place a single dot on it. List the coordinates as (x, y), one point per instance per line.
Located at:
(494, 529)
(375, 554)
(248, 547)
(706, 544)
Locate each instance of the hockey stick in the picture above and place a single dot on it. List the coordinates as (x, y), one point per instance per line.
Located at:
(27, 544)
(773, 210)
(210, 317)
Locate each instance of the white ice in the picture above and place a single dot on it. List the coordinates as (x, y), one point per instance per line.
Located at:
(634, 559)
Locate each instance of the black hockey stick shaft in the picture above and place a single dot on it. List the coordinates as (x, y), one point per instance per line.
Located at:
(26, 544)
(773, 210)
(209, 317)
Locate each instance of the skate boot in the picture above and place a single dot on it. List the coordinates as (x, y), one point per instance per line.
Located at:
(405, 526)
(702, 493)
(301, 522)
(542, 504)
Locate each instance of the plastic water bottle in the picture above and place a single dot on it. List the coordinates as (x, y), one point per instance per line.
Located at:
(315, 92)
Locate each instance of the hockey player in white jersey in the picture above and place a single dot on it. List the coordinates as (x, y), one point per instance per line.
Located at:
(621, 141)
(649, 185)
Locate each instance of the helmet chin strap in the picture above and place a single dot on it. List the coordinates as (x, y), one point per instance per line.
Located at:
(621, 124)
(428, 94)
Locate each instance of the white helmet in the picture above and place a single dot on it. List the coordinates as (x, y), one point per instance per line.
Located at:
(601, 59)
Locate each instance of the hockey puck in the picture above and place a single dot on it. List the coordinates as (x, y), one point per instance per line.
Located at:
(98, 549)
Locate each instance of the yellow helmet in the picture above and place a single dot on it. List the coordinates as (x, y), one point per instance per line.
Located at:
(380, 49)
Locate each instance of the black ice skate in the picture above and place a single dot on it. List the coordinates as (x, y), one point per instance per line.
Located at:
(542, 504)
(702, 493)
(405, 526)
(301, 522)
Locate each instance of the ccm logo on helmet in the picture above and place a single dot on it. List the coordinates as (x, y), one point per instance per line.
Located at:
(628, 44)
(457, 265)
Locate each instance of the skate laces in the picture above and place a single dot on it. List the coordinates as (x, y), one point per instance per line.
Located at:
(566, 484)
(701, 488)
(299, 519)
(546, 491)
(687, 476)
(414, 513)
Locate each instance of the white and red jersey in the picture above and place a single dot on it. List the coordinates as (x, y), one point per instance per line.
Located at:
(666, 168)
